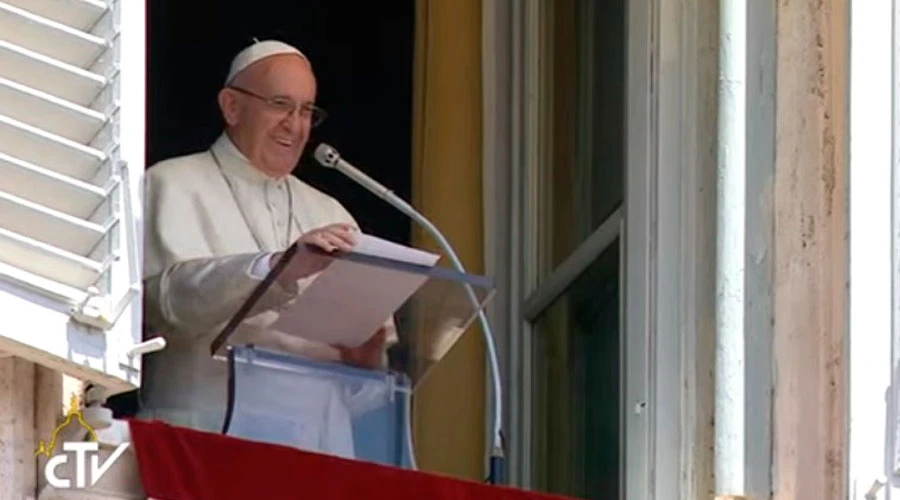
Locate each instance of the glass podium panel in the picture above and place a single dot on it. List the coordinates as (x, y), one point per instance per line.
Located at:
(318, 406)
(349, 296)
(280, 391)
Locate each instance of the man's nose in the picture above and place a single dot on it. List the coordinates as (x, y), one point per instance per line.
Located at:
(296, 122)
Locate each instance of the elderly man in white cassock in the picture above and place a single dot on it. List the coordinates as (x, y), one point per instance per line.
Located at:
(216, 222)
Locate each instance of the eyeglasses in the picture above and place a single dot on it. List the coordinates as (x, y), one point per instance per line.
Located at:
(288, 106)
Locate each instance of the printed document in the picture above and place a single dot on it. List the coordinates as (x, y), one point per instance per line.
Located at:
(349, 301)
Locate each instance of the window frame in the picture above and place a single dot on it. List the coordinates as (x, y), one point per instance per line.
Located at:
(661, 224)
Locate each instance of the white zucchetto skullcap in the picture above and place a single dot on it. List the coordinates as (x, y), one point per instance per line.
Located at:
(256, 52)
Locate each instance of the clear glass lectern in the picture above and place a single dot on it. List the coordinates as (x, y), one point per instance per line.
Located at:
(281, 391)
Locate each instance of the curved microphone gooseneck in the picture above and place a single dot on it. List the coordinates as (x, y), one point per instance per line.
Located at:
(329, 157)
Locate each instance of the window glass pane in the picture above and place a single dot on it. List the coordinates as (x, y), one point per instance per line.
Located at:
(576, 386)
(581, 179)
(579, 184)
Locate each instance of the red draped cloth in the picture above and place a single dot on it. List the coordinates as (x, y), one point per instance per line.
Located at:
(184, 464)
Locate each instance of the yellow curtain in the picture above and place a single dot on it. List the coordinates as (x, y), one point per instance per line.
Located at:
(449, 407)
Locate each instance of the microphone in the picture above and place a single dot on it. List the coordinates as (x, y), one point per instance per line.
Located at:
(330, 158)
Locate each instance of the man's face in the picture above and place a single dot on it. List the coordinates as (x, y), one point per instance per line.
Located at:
(268, 112)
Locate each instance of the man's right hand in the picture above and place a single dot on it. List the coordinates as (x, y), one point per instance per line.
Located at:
(331, 238)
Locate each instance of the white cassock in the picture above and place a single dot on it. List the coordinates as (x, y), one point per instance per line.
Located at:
(212, 220)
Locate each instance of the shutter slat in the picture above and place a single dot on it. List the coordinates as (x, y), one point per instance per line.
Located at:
(48, 262)
(33, 145)
(79, 14)
(56, 191)
(49, 113)
(49, 38)
(46, 74)
(50, 226)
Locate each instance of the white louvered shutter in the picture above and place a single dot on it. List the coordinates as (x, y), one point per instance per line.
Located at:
(71, 163)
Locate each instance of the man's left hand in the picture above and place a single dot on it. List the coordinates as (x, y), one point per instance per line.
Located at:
(368, 355)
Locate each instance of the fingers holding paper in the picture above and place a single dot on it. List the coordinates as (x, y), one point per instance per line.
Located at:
(331, 238)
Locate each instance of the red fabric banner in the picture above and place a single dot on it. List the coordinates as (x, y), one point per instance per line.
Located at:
(184, 464)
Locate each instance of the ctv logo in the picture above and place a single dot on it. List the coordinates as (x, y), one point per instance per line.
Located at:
(82, 450)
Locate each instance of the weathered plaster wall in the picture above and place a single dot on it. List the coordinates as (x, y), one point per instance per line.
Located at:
(32, 400)
(17, 467)
(811, 228)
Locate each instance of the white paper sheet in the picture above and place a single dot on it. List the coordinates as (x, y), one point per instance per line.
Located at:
(377, 247)
(349, 301)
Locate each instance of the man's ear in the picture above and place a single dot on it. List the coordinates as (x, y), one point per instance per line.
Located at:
(228, 104)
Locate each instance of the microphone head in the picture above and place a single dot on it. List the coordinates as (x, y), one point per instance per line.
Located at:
(327, 155)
